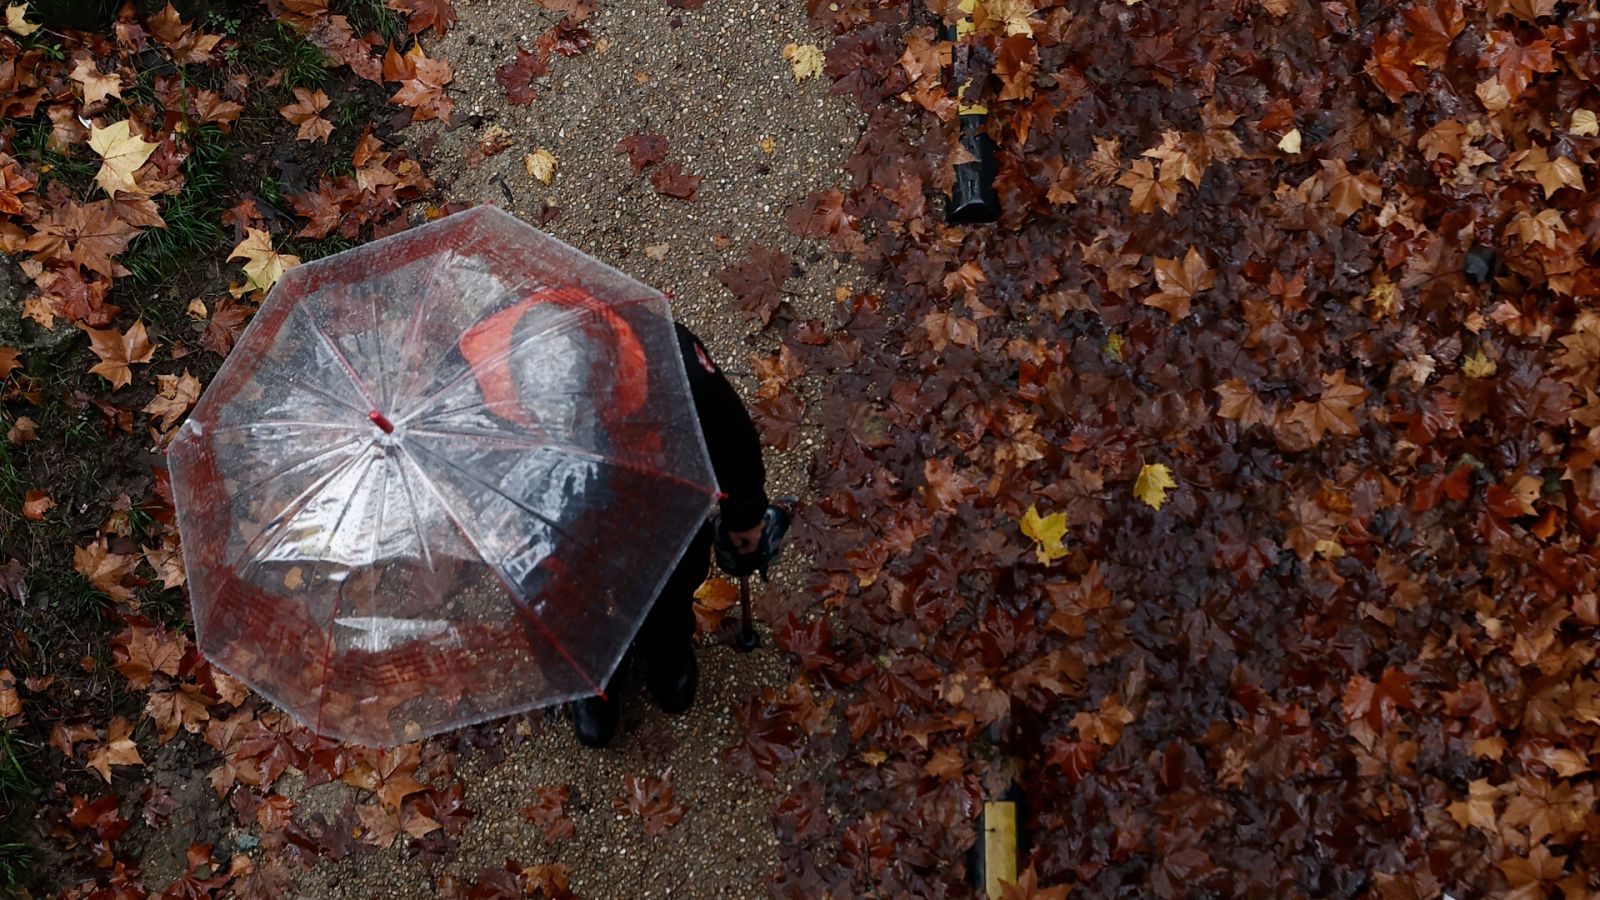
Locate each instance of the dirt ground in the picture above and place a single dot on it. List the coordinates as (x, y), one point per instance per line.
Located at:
(714, 83)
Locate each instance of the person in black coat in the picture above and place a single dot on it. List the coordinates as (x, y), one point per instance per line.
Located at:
(666, 639)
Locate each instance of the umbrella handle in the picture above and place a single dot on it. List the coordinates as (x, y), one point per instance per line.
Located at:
(747, 639)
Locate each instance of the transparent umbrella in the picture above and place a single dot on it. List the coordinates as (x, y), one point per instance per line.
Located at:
(440, 479)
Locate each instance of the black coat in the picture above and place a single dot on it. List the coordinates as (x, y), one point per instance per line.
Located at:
(731, 437)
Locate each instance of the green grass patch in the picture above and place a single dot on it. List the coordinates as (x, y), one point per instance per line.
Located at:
(372, 15)
(193, 215)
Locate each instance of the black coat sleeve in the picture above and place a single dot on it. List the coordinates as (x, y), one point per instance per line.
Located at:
(731, 437)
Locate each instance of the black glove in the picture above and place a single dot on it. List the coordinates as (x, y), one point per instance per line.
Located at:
(739, 564)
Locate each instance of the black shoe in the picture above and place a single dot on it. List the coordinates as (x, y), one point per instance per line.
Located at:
(673, 676)
(594, 720)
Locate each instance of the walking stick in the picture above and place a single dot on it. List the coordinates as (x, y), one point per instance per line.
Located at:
(747, 639)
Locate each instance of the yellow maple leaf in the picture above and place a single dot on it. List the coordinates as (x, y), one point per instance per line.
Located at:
(14, 22)
(805, 59)
(1478, 365)
(121, 153)
(263, 265)
(1015, 13)
(117, 351)
(1046, 533)
(541, 164)
(1151, 487)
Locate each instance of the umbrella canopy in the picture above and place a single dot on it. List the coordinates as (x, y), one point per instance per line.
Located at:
(440, 479)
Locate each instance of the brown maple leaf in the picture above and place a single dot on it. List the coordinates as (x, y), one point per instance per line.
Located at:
(1391, 67)
(9, 357)
(651, 799)
(548, 811)
(35, 503)
(1515, 64)
(671, 181)
(1349, 191)
(119, 351)
(1433, 26)
(88, 235)
(118, 750)
(139, 652)
(1240, 403)
(422, 85)
(104, 570)
(1179, 281)
(305, 113)
(1333, 411)
(210, 106)
(517, 76)
(644, 150)
(181, 707)
(227, 320)
(757, 282)
(1149, 191)
(424, 14)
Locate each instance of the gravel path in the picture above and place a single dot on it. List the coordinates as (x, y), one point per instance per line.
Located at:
(715, 84)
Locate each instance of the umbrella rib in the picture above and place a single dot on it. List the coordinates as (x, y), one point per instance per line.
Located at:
(559, 325)
(338, 601)
(409, 342)
(377, 338)
(522, 607)
(291, 509)
(279, 423)
(315, 457)
(466, 473)
(344, 361)
(416, 524)
(571, 449)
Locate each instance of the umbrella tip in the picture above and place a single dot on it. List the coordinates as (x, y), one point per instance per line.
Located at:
(382, 421)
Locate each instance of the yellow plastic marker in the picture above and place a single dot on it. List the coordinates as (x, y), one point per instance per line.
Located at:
(999, 846)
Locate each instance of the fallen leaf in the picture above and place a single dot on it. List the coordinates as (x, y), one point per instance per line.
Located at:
(174, 395)
(118, 750)
(96, 85)
(1584, 124)
(9, 357)
(1478, 365)
(1179, 281)
(1046, 533)
(103, 569)
(35, 504)
(805, 59)
(305, 113)
(22, 431)
(1152, 484)
(671, 181)
(540, 165)
(118, 351)
(121, 153)
(1290, 143)
(14, 20)
(263, 265)
(10, 703)
(644, 150)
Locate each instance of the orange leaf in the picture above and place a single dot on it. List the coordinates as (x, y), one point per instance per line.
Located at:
(304, 112)
(103, 569)
(35, 504)
(8, 361)
(118, 750)
(119, 351)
